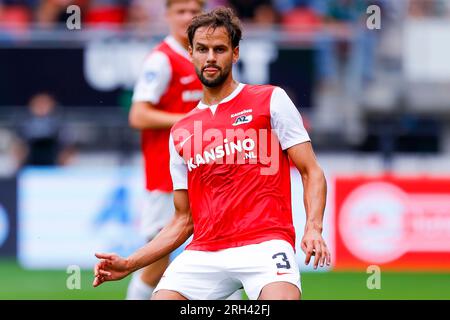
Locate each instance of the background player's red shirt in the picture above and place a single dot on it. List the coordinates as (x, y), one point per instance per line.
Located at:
(238, 176)
(169, 82)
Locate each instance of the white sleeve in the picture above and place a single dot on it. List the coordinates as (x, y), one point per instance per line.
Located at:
(153, 79)
(286, 120)
(178, 168)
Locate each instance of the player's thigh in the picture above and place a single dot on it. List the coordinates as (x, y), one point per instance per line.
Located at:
(168, 295)
(280, 291)
(268, 263)
(157, 210)
(151, 274)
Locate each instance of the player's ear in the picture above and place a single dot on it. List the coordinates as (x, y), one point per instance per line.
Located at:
(235, 55)
(190, 51)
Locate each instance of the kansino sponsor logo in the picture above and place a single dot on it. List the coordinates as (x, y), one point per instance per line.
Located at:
(228, 148)
(241, 113)
(379, 222)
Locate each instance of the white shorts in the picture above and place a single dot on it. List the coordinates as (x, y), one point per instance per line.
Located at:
(157, 211)
(214, 275)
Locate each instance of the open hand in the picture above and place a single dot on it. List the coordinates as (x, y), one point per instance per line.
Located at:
(313, 245)
(111, 267)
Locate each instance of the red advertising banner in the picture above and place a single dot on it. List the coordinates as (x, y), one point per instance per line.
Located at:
(399, 223)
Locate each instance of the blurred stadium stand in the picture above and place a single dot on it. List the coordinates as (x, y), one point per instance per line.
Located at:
(376, 104)
(360, 90)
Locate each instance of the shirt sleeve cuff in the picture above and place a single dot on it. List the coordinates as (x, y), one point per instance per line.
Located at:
(292, 143)
(142, 98)
(179, 186)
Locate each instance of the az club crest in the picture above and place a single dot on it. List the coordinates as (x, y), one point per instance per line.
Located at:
(242, 119)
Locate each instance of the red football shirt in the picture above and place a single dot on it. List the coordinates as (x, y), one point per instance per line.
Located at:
(232, 159)
(169, 82)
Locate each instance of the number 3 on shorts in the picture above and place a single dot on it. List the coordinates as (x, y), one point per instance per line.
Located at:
(284, 258)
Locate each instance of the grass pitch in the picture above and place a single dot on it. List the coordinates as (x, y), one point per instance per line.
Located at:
(17, 283)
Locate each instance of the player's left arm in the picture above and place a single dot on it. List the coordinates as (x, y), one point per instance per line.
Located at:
(314, 198)
(288, 125)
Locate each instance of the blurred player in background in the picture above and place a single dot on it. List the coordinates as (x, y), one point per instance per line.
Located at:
(240, 213)
(43, 140)
(166, 90)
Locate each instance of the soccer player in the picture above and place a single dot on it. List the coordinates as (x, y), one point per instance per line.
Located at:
(231, 176)
(167, 89)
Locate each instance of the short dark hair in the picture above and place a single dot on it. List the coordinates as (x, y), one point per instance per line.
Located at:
(220, 17)
(170, 2)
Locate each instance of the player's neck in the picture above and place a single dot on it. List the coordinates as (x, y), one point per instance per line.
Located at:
(215, 95)
(184, 42)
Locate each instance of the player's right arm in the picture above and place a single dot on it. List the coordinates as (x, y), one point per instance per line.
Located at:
(153, 82)
(112, 267)
(144, 115)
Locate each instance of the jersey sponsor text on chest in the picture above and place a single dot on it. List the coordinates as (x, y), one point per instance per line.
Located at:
(247, 146)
